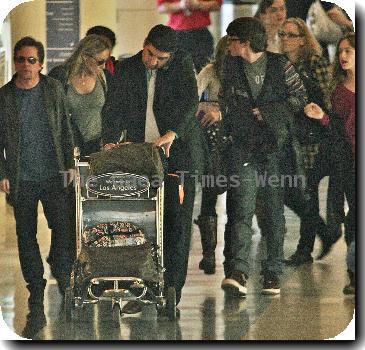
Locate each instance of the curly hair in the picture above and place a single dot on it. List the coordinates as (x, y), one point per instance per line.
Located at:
(339, 73)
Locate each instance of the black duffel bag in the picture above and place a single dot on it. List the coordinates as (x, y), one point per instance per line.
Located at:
(134, 158)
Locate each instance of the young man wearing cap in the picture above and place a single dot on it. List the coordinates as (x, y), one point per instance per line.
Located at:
(260, 92)
(154, 97)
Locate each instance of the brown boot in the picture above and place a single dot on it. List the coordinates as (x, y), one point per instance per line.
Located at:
(208, 232)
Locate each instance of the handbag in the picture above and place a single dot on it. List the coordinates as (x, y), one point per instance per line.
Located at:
(324, 29)
(216, 141)
(214, 134)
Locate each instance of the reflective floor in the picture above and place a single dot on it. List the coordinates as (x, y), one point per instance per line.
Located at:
(311, 305)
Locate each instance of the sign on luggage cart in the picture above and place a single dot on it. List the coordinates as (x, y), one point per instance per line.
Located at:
(117, 185)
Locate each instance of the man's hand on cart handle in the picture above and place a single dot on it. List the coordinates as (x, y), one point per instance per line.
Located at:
(71, 175)
(166, 141)
(5, 186)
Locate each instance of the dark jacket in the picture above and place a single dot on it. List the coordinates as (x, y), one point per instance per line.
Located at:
(282, 95)
(175, 105)
(55, 106)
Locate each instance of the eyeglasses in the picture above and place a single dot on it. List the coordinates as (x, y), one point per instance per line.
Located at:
(289, 35)
(99, 62)
(22, 59)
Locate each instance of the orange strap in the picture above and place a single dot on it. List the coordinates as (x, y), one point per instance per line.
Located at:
(181, 190)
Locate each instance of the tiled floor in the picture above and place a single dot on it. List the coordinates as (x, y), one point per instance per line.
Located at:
(311, 305)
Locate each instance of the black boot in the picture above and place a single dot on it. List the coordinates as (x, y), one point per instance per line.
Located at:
(299, 258)
(350, 288)
(327, 244)
(36, 319)
(208, 233)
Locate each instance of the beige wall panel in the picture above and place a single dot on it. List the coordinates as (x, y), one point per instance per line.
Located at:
(134, 20)
(99, 12)
(29, 19)
(129, 19)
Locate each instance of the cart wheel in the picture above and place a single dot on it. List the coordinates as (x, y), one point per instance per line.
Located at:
(69, 302)
(171, 303)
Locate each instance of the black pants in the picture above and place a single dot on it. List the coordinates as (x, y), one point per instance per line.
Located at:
(53, 198)
(326, 163)
(177, 231)
(320, 160)
(199, 43)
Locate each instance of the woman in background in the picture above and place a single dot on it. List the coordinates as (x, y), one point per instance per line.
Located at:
(343, 107)
(305, 53)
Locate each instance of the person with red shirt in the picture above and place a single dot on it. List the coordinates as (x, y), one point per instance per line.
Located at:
(190, 19)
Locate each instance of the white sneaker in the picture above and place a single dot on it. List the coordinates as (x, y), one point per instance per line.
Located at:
(235, 284)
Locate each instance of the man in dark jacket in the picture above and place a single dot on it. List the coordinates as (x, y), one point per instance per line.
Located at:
(36, 137)
(154, 98)
(260, 92)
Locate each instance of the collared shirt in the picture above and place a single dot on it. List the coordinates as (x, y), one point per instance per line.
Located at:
(151, 130)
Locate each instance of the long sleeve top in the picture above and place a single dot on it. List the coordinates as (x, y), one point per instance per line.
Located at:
(343, 106)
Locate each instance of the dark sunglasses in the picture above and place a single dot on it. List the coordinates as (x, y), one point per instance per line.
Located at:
(289, 35)
(22, 59)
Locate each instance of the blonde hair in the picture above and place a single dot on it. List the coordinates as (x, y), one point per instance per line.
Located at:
(220, 54)
(89, 46)
(311, 46)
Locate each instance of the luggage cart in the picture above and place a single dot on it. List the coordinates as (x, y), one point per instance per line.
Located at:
(108, 272)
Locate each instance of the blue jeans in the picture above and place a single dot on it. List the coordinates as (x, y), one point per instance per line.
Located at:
(241, 205)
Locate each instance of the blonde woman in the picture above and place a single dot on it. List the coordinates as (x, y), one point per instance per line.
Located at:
(305, 53)
(84, 80)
